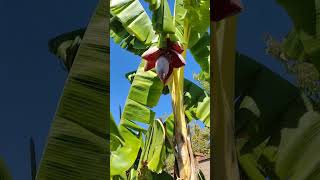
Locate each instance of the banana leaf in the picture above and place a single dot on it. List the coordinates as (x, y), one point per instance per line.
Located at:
(77, 145)
(196, 101)
(268, 107)
(197, 14)
(306, 20)
(123, 157)
(66, 46)
(133, 18)
(144, 94)
(153, 153)
(298, 156)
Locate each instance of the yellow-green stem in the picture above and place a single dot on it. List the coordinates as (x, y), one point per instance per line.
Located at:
(186, 171)
(223, 40)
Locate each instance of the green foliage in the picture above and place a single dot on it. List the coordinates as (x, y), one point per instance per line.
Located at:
(77, 145)
(126, 40)
(66, 46)
(130, 26)
(133, 18)
(200, 138)
(298, 157)
(132, 29)
(123, 156)
(306, 24)
(163, 19)
(270, 135)
(145, 165)
(200, 50)
(144, 94)
(291, 53)
(153, 153)
(196, 100)
(204, 79)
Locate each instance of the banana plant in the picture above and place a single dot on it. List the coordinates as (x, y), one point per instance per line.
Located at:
(277, 140)
(162, 43)
(77, 146)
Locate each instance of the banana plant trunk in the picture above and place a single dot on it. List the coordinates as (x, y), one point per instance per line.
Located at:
(225, 164)
(185, 165)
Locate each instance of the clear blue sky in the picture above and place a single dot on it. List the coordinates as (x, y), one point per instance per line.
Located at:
(31, 78)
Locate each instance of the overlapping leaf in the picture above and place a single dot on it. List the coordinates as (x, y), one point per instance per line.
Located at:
(77, 145)
(195, 14)
(130, 25)
(306, 20)
(197, 102)
(298, 156)
(144, 94)
(260, 121)
(153, 154)
(124, 156)
(66, 46)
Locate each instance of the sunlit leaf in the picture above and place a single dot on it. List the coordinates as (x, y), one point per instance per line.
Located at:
(124, 157)
(77, 145)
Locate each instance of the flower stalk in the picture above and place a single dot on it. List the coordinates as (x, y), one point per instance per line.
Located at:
(184, 155)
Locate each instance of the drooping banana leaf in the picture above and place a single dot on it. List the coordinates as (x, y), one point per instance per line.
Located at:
(4, 172)
(66, 46)
(154, 4)
(144, 93)
(126, 40)
(123, 157)
(134, 19)
(197, 14)
(298, 156)
(201, 50)
(257, 89)
(266, 104)
(77, 145)
(197, 102)
(153, 153)
(163, 19)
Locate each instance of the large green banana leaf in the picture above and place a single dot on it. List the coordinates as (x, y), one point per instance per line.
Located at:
(298, 156)
(133, 18)
(123, 157)
(126, 25)
(144, 93)
(153, 153)
(257, 89)
(195, 15)
(4, 172)
(306, 20)
(270, 125)
(196, 101)
(200, 50)
(77, 145)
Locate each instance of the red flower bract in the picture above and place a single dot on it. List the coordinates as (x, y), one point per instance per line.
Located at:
(221, 9)
(164, 59)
